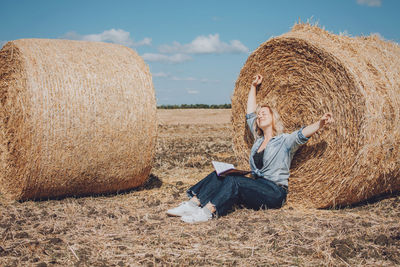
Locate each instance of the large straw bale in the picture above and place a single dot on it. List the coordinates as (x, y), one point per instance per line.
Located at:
(309, 71)
(76, 118)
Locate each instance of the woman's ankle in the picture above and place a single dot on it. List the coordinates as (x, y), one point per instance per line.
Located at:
(211, 207)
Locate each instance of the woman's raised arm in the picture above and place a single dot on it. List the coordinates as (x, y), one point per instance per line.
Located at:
(251, 99)
(311, 129)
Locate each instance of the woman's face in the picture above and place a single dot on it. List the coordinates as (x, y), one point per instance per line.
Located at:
(264, 117)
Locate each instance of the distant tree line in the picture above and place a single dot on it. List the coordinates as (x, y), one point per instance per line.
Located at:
(221, 106)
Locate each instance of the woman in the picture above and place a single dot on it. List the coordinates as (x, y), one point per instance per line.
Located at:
(270, 159)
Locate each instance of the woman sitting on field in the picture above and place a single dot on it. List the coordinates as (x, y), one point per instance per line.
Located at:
(270, 159)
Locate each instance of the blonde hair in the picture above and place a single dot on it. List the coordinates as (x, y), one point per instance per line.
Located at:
(277, 126)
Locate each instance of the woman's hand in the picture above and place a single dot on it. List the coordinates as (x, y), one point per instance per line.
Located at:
(257, 80)
(311, 129)
(326, 119)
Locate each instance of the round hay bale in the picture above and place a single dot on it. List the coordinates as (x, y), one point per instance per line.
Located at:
(309, 71)
(77, 118)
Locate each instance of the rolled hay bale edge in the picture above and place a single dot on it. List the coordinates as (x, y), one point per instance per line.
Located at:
(77, 118)
(309, 71)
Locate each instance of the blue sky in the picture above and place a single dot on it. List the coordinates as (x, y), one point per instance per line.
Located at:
(195, 49)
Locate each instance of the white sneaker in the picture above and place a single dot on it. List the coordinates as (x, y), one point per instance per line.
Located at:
(201, 215)
(185, 208)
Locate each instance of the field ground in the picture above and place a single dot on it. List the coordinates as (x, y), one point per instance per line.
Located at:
(132, 229)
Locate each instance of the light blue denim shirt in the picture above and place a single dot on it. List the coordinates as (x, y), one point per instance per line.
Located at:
(278, 153)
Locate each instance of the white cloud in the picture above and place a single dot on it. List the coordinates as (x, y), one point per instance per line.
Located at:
(204, 80)
(174, 78)
(160, 74)
(177, 58)
(370, 2)
(145, 41)
(210, 44)
(192, 92)
(112, 36)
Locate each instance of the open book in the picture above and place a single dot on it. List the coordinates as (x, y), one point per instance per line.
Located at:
(225, 169)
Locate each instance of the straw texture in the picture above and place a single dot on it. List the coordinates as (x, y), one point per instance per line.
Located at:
(309, 71)
(76, 118)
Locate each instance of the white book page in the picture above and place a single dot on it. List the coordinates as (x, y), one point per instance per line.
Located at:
(220, 167)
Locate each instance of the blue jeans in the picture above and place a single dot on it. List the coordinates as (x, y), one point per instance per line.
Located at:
(225, 192)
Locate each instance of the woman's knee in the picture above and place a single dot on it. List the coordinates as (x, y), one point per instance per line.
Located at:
(230, 179)
(230, 184)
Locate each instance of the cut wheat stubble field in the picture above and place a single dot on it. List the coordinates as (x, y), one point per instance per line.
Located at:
(132, 229)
